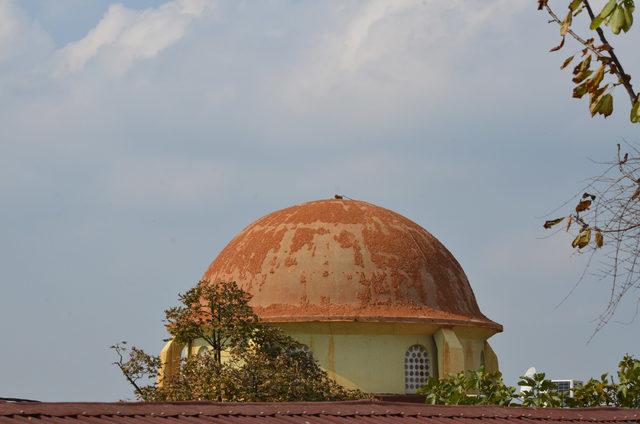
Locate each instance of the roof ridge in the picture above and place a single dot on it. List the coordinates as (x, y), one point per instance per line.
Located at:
(360, 408)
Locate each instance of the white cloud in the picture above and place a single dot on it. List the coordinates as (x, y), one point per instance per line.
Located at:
(124, 35)
(19, 37)
(391, 54)
(8, 26)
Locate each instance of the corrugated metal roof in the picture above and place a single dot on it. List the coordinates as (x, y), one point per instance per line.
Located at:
(354, 412)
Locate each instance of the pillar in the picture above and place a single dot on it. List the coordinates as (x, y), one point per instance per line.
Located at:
(169, 359)
(490, 358)
(450, 352)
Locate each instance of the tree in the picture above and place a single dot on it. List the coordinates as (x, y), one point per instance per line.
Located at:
(541, 392)
(468, 388)
(606, 392)
(218, 314)
(244, 359)
(609, 74)
(607, 213)
(482, 388)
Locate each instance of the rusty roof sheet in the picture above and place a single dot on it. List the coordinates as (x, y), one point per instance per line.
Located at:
(354, 412)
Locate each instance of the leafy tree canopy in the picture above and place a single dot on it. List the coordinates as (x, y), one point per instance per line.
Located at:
(484, 388)
(246, 360)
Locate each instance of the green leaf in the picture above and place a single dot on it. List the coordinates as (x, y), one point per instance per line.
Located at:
(617, 20)
(597, 21)
(635, 111)
(605, 105)
(629, 4)
(608, 9)
(604, 13)
(580, 90)
(574, 5)
(628, 18)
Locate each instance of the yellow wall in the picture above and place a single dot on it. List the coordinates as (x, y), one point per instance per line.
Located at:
(370, 355)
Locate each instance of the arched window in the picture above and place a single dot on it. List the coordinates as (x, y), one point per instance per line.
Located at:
(184, 353)
(303, 348)
(190, 350)
(417, 368)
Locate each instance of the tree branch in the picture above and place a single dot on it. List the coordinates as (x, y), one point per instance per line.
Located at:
(624, 78)
(120, 364)
(579, 39)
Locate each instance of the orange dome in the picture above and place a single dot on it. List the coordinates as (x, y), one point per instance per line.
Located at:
(347, 260)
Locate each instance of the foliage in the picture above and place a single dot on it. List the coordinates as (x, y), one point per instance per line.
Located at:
(594, 393)
(484, 388)
(471, 388)
(245, 360)
(599, 70)
(605, 392)
(628, 388)
(541, 393)
(218, 314)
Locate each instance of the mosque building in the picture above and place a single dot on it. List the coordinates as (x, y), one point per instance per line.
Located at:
(380, 302)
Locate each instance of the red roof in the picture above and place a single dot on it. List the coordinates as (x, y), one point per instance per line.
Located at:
(354, 412)
(345, 260)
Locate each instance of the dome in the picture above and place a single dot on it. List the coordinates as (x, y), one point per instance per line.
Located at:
(347, 260)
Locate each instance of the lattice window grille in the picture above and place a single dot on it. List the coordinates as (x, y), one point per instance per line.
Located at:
(416, 368)
(302, 349)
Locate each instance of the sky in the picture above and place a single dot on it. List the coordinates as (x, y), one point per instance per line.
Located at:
(137, 138)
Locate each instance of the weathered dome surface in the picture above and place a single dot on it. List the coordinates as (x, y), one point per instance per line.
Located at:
(337, 260)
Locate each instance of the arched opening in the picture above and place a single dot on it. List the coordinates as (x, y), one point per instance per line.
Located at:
(186, 351)
(303, 349)
(482, 363)
(417, 368)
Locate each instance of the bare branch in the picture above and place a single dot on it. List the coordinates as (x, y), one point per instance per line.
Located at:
(613, 216)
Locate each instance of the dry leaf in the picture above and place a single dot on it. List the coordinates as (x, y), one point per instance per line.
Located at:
(552, 222)
(558, 47)
(583, 205)
(599, 239)
(567, 61)
(582, 239)
(569, 221)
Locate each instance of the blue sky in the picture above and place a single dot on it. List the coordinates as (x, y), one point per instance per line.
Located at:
(137, 138)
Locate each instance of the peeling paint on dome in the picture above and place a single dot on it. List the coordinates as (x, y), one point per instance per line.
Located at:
(344, 260)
